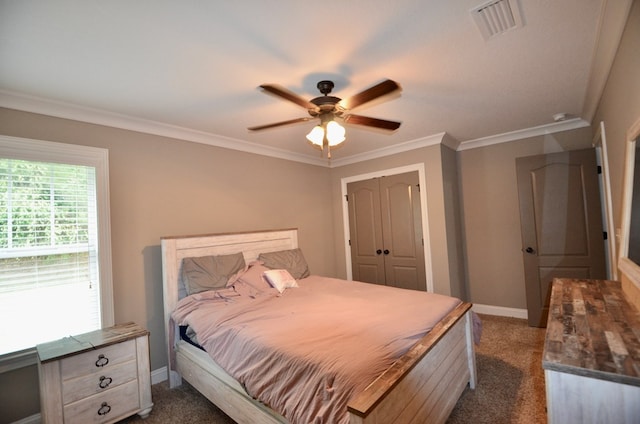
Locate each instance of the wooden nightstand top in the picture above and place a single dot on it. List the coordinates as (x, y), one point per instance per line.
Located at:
(72, 345)
(593, 331)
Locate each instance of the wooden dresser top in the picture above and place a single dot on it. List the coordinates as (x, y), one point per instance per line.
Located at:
(72, 345)
(592, 331)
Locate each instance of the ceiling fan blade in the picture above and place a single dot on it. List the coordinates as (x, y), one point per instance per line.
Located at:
(287, 95)
(278, 124)
(372, 122)
(372, 93)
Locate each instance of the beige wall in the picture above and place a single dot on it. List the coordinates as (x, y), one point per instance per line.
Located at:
(161, 187)
(619, 106)
(453, 214)
(491, 215)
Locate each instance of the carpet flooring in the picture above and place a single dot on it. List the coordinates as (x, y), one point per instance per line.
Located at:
(510, 387)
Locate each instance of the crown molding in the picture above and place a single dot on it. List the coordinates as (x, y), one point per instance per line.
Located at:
(65, 110)
(431, 140)
(570, 124)
(58, 109)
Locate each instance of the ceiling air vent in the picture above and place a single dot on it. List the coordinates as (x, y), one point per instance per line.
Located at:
(497, 17)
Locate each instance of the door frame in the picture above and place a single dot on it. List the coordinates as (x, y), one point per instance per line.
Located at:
(602, 159)
(423, 208)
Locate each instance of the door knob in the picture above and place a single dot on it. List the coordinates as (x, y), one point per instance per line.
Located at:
(386, 251)
(529, 250)
(378, 252)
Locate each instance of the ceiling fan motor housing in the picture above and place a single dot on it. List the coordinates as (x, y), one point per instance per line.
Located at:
(326, 104)
(325, 86)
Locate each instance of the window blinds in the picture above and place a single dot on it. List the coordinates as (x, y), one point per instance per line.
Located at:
(48, 252)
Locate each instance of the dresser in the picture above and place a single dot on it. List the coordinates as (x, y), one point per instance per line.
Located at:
(97, 377)
(591, 355)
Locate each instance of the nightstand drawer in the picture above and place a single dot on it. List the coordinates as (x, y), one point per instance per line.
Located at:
(97, 361)
(81, 387)
(104, 407)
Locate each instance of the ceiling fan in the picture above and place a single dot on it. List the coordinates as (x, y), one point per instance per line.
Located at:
(329, 133)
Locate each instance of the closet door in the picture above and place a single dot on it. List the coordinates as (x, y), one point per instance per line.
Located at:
(386, 231)
(402, 231)
(365, 231)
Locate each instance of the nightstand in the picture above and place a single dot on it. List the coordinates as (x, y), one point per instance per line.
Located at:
(97, 377)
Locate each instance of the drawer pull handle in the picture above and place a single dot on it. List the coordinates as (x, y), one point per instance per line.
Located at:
(104, 382)
(102, 361)
(104, 409)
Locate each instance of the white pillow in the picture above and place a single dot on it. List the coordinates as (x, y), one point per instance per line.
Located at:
(280, 279)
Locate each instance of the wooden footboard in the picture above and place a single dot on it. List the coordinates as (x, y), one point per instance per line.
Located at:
(424, 385)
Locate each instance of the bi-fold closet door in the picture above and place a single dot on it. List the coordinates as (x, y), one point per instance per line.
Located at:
(385, 226)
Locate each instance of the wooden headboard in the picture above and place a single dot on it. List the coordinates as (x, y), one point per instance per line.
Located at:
(176, 248)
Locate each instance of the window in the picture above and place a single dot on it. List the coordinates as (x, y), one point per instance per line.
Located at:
(55, 263)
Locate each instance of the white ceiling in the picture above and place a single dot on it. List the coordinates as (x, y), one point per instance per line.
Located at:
(191, 69)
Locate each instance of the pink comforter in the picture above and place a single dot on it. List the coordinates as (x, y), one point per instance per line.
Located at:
(307, 351)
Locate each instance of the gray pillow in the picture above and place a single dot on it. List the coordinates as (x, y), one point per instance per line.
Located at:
(210, 272)
(291, 260)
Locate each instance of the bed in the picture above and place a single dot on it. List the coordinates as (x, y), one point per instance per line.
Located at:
(423, 385)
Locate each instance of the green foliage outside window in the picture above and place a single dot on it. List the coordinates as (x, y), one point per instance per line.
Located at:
(43, 204)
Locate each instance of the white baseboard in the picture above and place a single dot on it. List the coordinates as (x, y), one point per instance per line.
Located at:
(500, 311)
(159, 375)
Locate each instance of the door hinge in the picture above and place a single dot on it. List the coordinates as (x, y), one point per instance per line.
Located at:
(605, 235)
(346, 197)
(418, 185)
(349, 242)
(599, 169)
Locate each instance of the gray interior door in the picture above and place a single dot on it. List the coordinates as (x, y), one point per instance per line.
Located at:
(561, 224)
(385, 223)
(365, 231)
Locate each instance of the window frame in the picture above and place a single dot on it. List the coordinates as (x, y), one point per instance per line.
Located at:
(73, 154)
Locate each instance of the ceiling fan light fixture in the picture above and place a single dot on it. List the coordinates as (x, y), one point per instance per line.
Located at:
(335, 133)
(316, 135)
